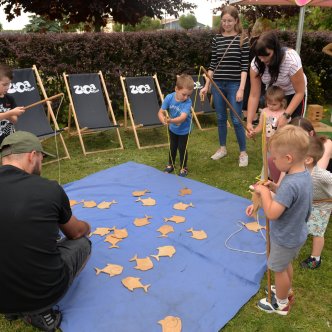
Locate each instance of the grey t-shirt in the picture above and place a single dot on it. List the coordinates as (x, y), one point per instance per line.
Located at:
(295, 193)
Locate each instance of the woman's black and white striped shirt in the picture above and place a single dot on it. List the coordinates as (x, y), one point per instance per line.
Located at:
(235, 61)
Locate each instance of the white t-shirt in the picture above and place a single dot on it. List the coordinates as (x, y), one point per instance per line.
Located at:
(289, 66)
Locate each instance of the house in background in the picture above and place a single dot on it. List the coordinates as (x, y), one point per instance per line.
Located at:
(173, 24)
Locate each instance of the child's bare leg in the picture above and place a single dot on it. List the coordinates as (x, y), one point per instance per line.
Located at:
(317, 245)
(283, 281)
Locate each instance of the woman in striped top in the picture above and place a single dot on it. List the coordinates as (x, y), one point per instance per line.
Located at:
(228, 67)
(274, 65)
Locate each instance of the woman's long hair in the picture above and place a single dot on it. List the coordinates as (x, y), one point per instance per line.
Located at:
(231, 10)
(269, 40)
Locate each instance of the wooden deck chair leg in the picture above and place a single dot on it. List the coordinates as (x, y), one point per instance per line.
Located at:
(110, 108)
(196, 119)
(69, 118)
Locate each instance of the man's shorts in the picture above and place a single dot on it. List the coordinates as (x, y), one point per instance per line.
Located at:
(318, 221)
(281, 256)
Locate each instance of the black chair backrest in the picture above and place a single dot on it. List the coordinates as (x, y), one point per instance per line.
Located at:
(143, 99)
(89, 101)
(199, 106)
(25, 91)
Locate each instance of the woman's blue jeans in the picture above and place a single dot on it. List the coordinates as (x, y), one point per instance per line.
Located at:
(229, 89)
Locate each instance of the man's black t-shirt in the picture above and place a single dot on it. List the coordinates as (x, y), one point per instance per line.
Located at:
(32, 274)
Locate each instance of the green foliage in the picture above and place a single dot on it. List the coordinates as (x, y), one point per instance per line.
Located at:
(1, 27)
(216, 20)
(315, 90)
(147, 24)
(187, 21)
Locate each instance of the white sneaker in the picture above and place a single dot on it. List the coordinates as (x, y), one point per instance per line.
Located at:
(221, 152)
(243, 160)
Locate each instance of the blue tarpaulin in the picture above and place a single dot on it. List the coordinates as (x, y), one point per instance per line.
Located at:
(204, 283)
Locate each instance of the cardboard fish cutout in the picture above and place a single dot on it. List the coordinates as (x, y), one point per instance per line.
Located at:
(89, 204)
(73, 202)
(185, 191)
(253, 226)
(176, 219)
(164, 230)
(132, 283)
(105, 205)
(112, 240)
(198, 235)
(171, 324)
(142, 221)
(142, 264)
(146, 201)
(110, 269)
(100, 231)
(165, 251)
(140, 193)
(119, 233)
(182, 206)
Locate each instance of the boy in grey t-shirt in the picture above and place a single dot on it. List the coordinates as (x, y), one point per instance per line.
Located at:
(289, 210)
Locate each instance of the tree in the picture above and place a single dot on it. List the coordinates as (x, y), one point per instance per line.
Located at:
(95, 12)
(187, 21)
(147, 24)
(1, 27)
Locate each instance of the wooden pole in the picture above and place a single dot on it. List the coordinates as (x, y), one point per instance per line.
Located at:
(267, 221)
(223, 96)
(43, 101)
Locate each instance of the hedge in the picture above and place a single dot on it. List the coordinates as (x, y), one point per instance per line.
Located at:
(166, 53)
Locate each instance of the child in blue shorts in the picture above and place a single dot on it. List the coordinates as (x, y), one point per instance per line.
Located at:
(175, 111)
(288, 210)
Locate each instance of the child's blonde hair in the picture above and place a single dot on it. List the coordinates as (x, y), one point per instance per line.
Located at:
(5, 71)
(185, 81)
(291, 140)
(275, 93)
(316, 149)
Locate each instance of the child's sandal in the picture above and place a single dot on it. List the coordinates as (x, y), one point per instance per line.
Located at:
(169, 169)
(184, 172)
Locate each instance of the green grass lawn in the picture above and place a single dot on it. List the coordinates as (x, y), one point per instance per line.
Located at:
(313, 307)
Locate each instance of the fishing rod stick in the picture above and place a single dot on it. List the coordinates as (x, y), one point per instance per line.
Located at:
(43, 101)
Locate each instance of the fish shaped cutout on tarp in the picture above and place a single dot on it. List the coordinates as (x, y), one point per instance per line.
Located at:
(100, 231)
(185, 191)
(165, 251)
(142, 221)
(176, 219)
(253, 226)
(132, 283)
(147, 201)
(106, 205)
(164, 230)
(142, 264)
(112, 240)
(198, 235)
(182, 206)
(73, 202)
(89, 204)
(140, 192)
(119, 233)
(171, 324)
(110, 269)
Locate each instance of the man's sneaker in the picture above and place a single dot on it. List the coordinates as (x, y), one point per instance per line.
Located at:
(243, 160)
(221, 152)
(169, 169)
(47, 321)
(291, 295)
(273, 307)
(311, 263)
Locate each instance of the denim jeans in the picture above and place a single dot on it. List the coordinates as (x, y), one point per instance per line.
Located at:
(229, 89)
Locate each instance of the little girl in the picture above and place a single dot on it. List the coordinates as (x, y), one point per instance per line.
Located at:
(275, 107)
(321, 208)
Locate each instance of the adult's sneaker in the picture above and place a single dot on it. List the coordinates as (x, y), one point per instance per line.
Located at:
(311, 263)
(243, 160)
(220, 153)
(273, 307)
(47, 321)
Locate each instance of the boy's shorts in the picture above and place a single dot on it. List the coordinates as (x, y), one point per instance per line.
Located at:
(318, 221)
(281, 256)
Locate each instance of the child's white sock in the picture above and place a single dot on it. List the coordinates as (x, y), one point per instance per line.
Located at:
(282, 302)
(317, 258)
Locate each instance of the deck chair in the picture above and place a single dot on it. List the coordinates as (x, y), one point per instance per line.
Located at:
(27, 91)
(200, 108)
(141, 104)
(90, 107)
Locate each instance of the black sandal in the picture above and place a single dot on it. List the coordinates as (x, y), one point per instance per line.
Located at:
(169, 169)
